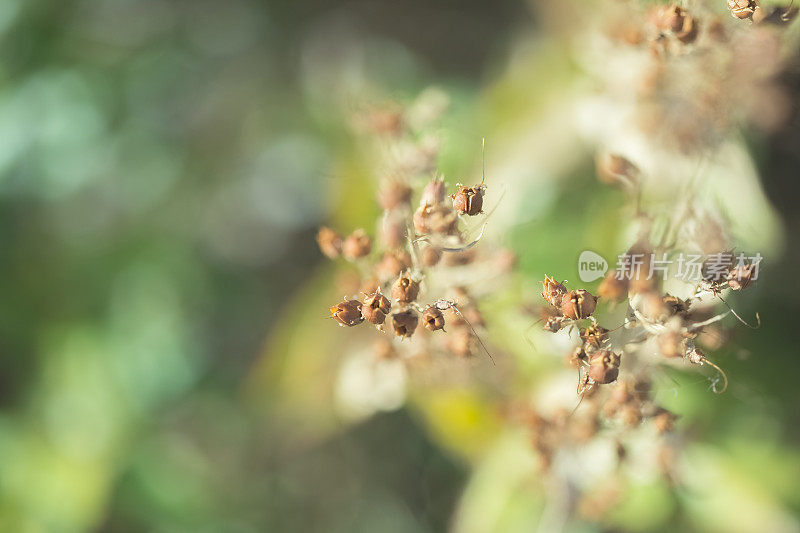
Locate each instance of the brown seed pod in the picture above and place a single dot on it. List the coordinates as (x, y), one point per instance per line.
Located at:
(394, 194)
(392, 232)
(554, 324)
(670, 18)
(434, 193)
(376, 307)
(576, 356)
(553, 291)
(405, 323)
(347, 313)
(631, 415)
(578, 304)
(613, 289)
(688, 31)
(743, 9)
(604, 366)
(671, 344)
(433, 318)
(369, 285)
(436, 219)
(356, 245)
(664, 421)
(330, 242)
(405, 289)
(675, 305)
(653, 307)
(740, 277)
(392, 264)
(595, 336)
(430, 256)
(468, 200)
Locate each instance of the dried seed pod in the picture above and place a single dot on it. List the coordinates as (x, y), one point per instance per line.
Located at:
(554, 324)
(392, 264)
(356, 245)
(405, 289)
(405, 323)
(670, 18)
(376, 307)
(553, 291)
(653, 307)
(604, 366)
(394, 194)
(330, 242)
(741, 276)
(688, 31)
(613, 289)
(631, 415)
(671, 344)
(433, 318)
(369, 286)
(434, 193)
(743, 9)
(430, 256)
(595, 336)
(393, 232)
(578, 304)
(576, 356)
(664, 421)
(437, 219)
(468, 200)
(347, 313)
(675, 305)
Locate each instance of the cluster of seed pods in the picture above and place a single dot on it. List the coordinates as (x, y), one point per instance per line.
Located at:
(395, 293)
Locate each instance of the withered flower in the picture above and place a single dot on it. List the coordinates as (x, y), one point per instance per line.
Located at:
(347, 313)
(405, 323)
(578, 304)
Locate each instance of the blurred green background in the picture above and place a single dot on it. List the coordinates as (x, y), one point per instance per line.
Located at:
(164, 365)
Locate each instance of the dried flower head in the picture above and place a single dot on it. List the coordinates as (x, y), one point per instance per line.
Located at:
(392, 264)
(604, 366)
(376, 307)
(613, 288)
(436, 218)
(578, 304)
(741, 276)
(434, 193)
(405, 289)
(433, 318)
(553, 291)
(393, 194)
(468, 200)
(330, 242)
(356, 245)
(347, 313)
(743, 9)
(405, 323)
(430, 255)
(595, 336)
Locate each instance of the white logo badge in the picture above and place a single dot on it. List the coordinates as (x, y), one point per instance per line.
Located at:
(591, 266)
